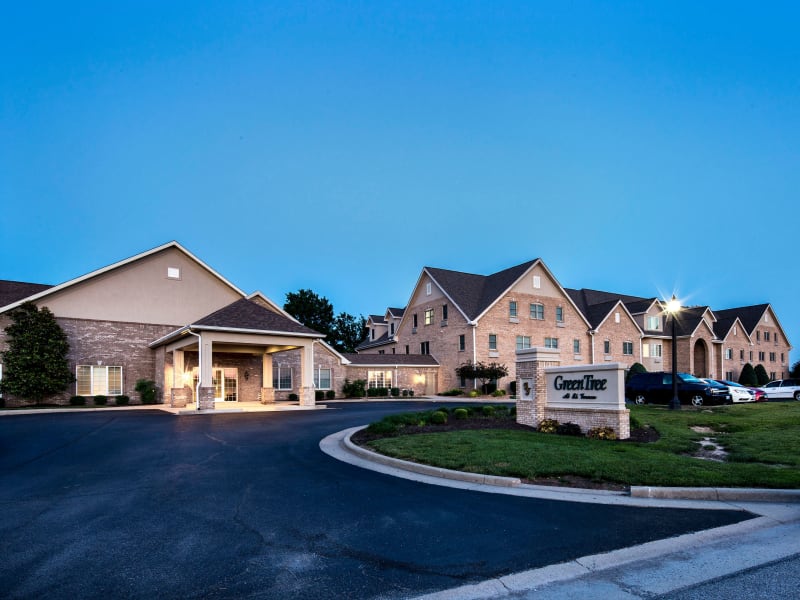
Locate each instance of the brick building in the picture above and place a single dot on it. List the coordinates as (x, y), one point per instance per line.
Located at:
(459, 317)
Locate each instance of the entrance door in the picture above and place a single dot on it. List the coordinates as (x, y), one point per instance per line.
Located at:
(225, 384)
(700, 364)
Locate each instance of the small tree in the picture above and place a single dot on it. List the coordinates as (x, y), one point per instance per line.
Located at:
(748, 376)
(761, 374)
(635, 368)
(35, 365)
(482, 372)
(795, 372)
(147, 390)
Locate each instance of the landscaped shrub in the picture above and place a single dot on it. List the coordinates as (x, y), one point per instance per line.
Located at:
(512, 411)
(761, 374)
(319, 395)
(122, 400)
(453, 392)
(354, 389)
(100, 400)
(439, 418)
(569, 429)
(500, 409)
(405, 393)
(330, 394)
(147, 390)
(548, 426)
(473, 394)
(488, 411)
(294, 397)
(748, 376)
(635, 368)
(395, 392)
(601, 433)
(460, 414)
(498, 393)
(77, 401)
(411, 393)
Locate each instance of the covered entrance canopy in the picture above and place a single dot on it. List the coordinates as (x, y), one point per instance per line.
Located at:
(209, 359)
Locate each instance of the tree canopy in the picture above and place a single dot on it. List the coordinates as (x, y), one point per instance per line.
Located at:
(343, 331)
(35, 365)
(795, 372)
(482, 372)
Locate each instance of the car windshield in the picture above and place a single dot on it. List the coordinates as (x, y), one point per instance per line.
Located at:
(689, 378)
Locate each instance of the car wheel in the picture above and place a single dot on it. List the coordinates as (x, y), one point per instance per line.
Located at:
(697, 400)
(640, 399)
(797, 395)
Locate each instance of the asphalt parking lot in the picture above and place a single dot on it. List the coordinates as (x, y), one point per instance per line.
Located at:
(147, 504)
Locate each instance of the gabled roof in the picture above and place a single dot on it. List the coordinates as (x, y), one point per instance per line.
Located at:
(378, 319)
(14, 291)
(473, 294)
(725, 323)
(687, 320)
(243, 316)
(748, 315)
(51, 290)
(585, 298)
(397, 313)
(392, 360)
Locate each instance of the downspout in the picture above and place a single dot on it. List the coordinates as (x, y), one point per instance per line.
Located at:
(199, 365)
(591, 335)
(474, 325)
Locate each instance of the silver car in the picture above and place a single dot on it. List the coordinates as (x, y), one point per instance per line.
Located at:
(782, 388)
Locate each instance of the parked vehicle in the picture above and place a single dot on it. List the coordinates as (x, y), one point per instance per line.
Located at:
(656, 388)
(782, 388)
(739, 393)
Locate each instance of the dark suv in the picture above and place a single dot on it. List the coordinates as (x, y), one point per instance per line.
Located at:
(657, 388)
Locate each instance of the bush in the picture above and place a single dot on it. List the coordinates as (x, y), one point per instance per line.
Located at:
(100, 400)
(395, 391)
(319, 395)
(405, 393)
(460, 414)
(548, 426)
(354, 389)
(147, 391)
(453, 392)
(569, 429)
(411, 393)
(513, 411)
(601, 433)
(473, 394)
(748, 376)
(122, 400)
(761, 374)
(635, 368)
(498, 393)
(294, 397)
(330, 394)
(77, 401)
(439, 418)
(488, 411)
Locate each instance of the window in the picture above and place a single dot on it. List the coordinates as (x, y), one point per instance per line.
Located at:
(728, 353)
(559, 314)
(771, 357)
(393, 350)
(576, 346)
(607, 347)
(462, 343)
(537, 311)
(729, 375)
(372, 334)
(537, 282)
(391, 329)
(408, 349)
(751, 356)
(376, 379)
(656, 350)
(766, 336)
(444, 312)
(415, 320)
(381, 351)
(282, 378)
(512, 309)
(653, 323)
(425, 348)
(627, 348)
(616, 317)
(741, 354)
(99, 381)
(173, 273)
(428, 288)
(492, 341)
(782, 360)
(772, 375)
(758, 336)
(428, 316)
(550, 342)
(322, 379)
(523, 342)
(761, 356)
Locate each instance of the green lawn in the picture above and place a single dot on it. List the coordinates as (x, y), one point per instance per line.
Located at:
(763, 441)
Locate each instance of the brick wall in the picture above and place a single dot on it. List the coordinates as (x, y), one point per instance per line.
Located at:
(617, 333)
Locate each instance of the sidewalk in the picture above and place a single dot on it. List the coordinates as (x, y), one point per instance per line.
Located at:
(643, 571)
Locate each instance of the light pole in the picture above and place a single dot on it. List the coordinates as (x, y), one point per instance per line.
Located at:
(673, 307)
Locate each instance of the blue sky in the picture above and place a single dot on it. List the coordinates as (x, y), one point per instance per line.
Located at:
(342, 146)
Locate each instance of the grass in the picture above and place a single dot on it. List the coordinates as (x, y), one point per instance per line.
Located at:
(763, 442)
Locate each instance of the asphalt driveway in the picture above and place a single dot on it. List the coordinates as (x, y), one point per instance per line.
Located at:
(146, 504)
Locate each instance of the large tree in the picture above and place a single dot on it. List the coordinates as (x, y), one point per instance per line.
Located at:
(35, 365)
(795, 372)
(348, 331)
(311, 310)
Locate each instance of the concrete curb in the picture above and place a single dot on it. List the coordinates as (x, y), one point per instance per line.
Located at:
(781, 496)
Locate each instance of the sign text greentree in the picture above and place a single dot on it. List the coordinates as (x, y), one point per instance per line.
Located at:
(587, 382)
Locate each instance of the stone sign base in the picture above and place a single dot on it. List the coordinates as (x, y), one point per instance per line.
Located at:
(618, 420)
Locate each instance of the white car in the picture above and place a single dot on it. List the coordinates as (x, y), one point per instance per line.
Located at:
(782, 388)
(739, 393)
